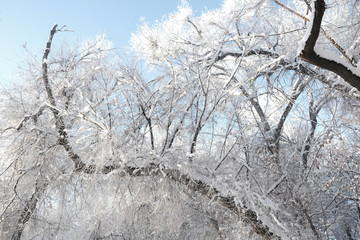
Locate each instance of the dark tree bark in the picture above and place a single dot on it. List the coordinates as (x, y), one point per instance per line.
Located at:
(309, 55)
(148, 120)
(59, 121)
(307, 145)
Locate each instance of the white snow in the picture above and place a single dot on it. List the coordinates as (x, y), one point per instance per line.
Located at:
(336, 58)
(308, 30)
(275, 184)
(322, 52)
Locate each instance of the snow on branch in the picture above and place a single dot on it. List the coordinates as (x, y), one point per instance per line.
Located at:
(60, 124)
(295, 66)
(276, 184)
(229, 202)
(160, 170)
(320, 58)
(333, 42)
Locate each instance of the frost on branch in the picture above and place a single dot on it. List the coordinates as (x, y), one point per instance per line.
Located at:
(150, 202)
(230, 136)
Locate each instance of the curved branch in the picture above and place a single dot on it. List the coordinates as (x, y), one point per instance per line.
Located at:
(203, 188)
(336, 45)
(59, 121)
(309, 55)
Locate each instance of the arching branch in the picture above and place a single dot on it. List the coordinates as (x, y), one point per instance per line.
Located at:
(229, 202)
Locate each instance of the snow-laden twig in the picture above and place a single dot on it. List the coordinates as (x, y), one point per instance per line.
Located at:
(202, 187)
(7, 206)
(276, 184)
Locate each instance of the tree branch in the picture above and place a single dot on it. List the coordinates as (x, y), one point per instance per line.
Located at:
(148, 119)
(296, 91)
(297, 67)
(60, 125)
(203, 188)
(28, 210)
(33, 117)
(313, 113)
(336, 45)
(309, 55)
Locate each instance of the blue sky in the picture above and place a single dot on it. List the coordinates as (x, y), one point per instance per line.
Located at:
(29, 22)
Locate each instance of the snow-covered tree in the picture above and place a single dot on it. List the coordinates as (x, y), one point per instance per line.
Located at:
(244, 124)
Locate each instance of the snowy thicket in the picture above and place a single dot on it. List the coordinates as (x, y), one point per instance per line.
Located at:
(130, 208)
(247, 141)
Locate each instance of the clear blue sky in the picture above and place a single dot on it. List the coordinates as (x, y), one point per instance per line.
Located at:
(29, 22)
